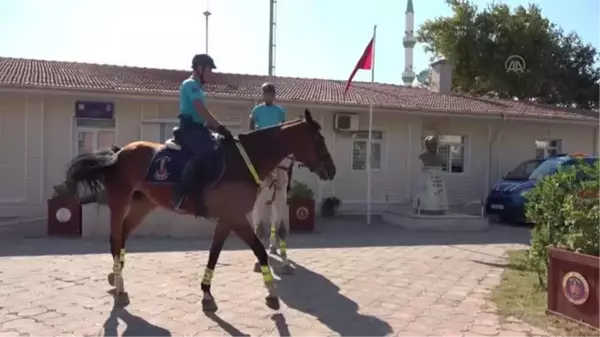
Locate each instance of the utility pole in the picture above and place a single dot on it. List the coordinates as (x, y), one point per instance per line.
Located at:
(272, 26)
(206, 13)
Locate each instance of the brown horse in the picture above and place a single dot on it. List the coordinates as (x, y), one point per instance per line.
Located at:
(135, 180)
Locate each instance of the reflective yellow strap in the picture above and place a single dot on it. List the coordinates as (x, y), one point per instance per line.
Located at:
(208, 275)
(273, 231)
(266, 273)
(248, 162)
(282, 245)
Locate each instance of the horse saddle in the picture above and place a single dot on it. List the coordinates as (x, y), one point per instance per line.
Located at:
(170, 160)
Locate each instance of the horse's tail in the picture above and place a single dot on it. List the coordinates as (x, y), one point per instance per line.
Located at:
(90, 170)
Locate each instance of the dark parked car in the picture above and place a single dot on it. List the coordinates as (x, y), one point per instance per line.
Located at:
(506, 200)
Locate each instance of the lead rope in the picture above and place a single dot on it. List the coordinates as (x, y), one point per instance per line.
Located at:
(287, 171)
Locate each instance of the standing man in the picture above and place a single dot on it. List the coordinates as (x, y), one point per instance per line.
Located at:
(268, 113)
(274, 187)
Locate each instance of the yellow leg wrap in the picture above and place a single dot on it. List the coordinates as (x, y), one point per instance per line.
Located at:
(266, 273)
(208, 275)
(122, 257)
(273, 231)
(283, 247)
(117, 265)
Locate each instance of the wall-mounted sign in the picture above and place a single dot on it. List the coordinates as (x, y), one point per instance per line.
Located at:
(91, 109)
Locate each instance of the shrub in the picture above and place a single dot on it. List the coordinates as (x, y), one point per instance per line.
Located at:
(329, 206)
(301, 191)
(565, 209)
(60, 191)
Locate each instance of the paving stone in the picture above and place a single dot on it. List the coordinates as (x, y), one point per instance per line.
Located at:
(383, 282)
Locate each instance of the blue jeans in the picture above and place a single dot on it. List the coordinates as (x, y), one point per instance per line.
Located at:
(196, 139)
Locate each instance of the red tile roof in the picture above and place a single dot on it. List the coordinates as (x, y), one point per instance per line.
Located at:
(24, 73)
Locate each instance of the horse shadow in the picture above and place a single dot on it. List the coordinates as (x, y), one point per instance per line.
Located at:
(136, 326)
(226, 326)
(315, 295)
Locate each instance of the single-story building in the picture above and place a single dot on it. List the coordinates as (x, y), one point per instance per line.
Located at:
(482, 138)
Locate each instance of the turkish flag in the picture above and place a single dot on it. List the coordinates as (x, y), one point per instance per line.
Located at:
(365, 62)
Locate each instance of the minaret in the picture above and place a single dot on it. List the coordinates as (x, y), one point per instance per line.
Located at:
(408, 76)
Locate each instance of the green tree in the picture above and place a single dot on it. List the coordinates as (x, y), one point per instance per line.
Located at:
(560, 68)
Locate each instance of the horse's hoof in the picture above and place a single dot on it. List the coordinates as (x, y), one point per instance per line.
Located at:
(257, 267)
(111, 279)
(272, 302)
(122, 299)
(286, 269)
(273, 250)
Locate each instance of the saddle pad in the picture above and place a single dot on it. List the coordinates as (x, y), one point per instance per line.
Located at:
(167, 166)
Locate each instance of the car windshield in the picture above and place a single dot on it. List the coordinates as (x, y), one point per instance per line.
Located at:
(546, 168)
(523, 171)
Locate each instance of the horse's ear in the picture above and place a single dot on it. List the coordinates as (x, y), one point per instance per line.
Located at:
(308, 116)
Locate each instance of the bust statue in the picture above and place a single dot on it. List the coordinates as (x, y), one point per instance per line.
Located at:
(431, 190)
(430, 157)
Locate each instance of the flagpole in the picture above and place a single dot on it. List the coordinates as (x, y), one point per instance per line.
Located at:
(370, 132)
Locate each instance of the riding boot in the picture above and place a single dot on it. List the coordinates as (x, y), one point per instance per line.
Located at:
(186, 185)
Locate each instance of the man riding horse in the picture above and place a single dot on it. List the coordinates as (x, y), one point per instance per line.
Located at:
(199, 175)
(194, 118)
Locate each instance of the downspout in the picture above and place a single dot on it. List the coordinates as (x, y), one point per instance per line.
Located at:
(491, 140)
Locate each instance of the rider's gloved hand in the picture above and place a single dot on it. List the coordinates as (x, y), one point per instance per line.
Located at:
(223, 131)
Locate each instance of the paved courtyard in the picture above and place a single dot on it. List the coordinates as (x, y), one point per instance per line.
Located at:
(349, 280)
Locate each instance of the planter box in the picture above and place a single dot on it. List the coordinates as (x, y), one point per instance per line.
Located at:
(573, 289)
(64, 217)
(302, 215)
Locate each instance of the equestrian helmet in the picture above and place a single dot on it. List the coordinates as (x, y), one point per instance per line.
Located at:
(203, 60)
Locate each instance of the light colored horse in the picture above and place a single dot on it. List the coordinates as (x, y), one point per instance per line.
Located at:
(273, 197)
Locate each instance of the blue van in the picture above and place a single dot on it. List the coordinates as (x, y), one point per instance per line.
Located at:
(506, 200)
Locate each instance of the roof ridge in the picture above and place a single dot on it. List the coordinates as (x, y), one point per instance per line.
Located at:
(39, 73)
(126, 67)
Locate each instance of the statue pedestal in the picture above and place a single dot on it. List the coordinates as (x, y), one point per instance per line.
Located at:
(430, 197)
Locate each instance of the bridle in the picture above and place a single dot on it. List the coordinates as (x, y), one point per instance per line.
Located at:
(322, 157)
(288, 167)
(274, 176)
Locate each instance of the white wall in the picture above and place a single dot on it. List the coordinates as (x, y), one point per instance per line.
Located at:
(33, 158)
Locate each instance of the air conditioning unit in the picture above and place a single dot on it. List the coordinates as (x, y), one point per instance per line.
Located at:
(346, 122)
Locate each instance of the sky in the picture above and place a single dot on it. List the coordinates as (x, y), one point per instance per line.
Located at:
(314, 38)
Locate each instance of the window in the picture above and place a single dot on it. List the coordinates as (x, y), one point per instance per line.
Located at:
(546, 148)
(524, 170)
(452, 150)
(166, 131)
(94, 134)
(359, 150)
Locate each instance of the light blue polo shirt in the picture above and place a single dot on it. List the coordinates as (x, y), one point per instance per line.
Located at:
(267, 115)
(189, 91)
